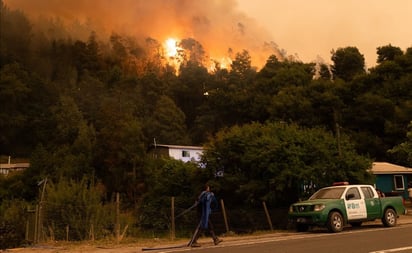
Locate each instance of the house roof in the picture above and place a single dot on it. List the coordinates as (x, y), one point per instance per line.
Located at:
(176, 146)
(14, 165)
(389, 168)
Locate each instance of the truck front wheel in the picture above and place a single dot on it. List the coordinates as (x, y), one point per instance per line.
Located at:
(335, 222)
(389, 218)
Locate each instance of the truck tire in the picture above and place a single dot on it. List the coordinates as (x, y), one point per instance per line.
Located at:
(389, 218)
(335, 222)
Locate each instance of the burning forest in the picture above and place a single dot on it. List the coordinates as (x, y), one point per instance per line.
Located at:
(175, 31)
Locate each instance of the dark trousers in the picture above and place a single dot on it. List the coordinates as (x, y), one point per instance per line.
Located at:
(199, 230)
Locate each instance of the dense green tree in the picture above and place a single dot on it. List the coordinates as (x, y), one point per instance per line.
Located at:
(69, 151)
(241, 70)
(63, 72)
(228, 100)
(25, 112)
(192, 52)
(119, 155)
(368, 117)
(402, 153)
(388, 53)
(347, 63)
(14, 94)
(15, 37)
(273, 81)
(167, 123)
(276, 161)
(316, 104)
(189, 89)
(270, 68)
(325, 72)
(406, 60)
(68, 118)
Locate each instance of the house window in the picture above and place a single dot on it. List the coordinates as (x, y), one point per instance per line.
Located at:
(185, 153)
(398, 180)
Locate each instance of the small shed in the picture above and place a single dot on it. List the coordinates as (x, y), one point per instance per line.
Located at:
(392, 179)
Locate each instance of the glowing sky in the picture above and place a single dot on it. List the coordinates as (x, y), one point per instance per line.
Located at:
(312, 28)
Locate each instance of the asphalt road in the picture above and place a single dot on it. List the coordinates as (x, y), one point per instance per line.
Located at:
(372, 238)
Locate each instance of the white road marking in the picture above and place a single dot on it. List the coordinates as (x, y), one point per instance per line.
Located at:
(393, 250)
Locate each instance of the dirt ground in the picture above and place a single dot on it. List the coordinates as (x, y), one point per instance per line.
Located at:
(130, 246)
(96, 247)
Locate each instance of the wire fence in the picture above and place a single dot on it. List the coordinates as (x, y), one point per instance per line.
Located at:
(50, 222)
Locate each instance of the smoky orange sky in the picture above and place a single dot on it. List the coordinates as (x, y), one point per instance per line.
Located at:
(312, 28)
(307, 29)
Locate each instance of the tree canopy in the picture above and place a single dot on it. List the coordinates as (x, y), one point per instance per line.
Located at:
(278, 162)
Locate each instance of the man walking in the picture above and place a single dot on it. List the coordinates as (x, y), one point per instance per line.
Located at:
(205, 200)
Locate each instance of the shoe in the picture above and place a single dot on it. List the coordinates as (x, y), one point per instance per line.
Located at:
(217, 241)
(195, 244)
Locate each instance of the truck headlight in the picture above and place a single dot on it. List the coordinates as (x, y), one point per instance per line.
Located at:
(318, 207)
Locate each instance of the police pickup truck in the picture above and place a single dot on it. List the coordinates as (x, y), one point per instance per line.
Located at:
(336, 206)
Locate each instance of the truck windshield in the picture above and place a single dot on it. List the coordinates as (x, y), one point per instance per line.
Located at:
(328, 193)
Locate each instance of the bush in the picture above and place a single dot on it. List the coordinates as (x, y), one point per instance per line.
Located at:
(76, 205)
(13, 223)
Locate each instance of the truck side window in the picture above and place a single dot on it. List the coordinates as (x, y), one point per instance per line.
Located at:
(352, 193)
(367, 192)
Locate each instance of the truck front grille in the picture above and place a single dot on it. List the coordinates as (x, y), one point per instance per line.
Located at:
(303, 208)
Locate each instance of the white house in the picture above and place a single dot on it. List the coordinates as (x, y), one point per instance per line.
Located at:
(178, 152)
(7, 168)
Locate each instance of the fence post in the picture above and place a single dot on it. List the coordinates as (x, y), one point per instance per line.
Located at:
(91, 235)
(173, 231)
(67, 233)
(224, 215)
(36, 225)
(27, 230)
(267, 215)
(117, 217)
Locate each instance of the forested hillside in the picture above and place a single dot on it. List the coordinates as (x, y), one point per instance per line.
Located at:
(86, 110)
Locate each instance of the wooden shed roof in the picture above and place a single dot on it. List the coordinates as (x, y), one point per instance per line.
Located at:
(389, 168)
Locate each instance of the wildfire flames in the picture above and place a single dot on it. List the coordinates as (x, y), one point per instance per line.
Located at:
(217, 25)
(171, 47)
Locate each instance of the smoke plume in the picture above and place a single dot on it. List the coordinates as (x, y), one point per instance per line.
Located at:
(216, 24)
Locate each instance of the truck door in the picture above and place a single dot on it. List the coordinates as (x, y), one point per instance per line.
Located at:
(355, 204)
(373, 205)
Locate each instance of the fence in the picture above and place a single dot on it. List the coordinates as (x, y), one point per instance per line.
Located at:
(223, 216)
(42, 225)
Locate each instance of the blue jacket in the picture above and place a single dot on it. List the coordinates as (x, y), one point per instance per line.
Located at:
(205, 201)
